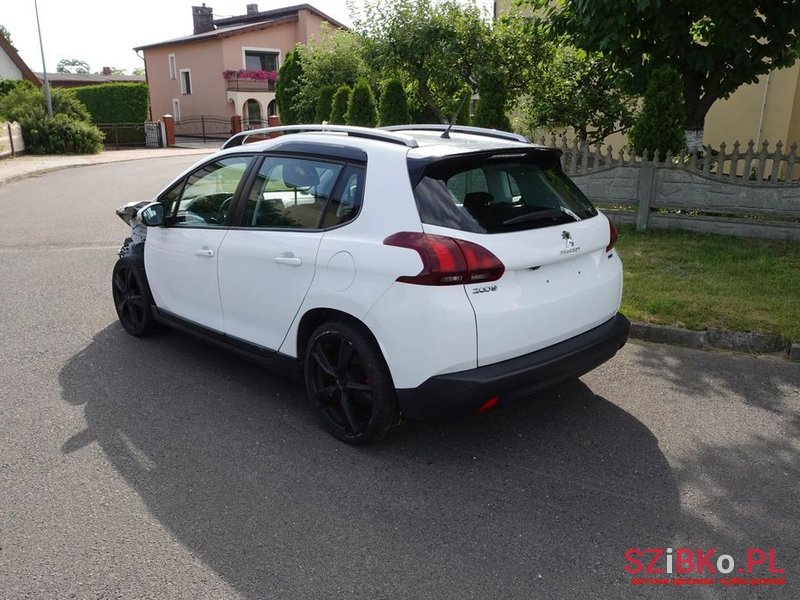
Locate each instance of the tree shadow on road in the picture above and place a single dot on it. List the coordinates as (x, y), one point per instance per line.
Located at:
(761, 382)
(544, 495)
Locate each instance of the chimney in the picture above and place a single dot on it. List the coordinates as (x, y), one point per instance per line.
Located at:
(252, 9)
(106, 71)
(203, 18)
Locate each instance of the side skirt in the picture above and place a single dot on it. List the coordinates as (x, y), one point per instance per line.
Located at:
(267, 357)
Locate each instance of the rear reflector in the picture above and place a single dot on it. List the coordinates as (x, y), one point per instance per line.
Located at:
(614, 235)
(489, 405)
(447, 261)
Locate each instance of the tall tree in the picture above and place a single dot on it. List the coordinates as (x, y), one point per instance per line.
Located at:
(361, 109)
(658, 126)
(393, 104)
(288, 85)
(325, 103)
(442, 46)
(578, 90)
(491, 109)
(5, 33)
(341, 102)
(715, 46)
(336, 58)
(72, 65)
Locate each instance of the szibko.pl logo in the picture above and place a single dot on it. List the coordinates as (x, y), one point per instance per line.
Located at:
(703, 567)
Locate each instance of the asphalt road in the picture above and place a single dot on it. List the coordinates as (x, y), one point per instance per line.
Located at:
(165, 468)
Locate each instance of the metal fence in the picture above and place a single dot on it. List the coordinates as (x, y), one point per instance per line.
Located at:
(131, 135)
(204, 128)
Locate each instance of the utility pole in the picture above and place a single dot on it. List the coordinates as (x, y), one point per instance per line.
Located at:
(47, 98)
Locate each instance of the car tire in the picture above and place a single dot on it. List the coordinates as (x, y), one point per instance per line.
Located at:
(132, 298)
(349, 384)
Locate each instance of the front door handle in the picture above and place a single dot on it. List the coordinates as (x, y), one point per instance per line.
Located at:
(288, 260)
(204, 252)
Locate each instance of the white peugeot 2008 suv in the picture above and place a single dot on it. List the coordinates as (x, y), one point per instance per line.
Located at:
(408, 272)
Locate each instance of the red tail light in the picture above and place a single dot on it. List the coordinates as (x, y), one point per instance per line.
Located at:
(447, 261)
(614, 236)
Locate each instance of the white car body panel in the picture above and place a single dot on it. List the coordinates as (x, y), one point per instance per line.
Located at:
(181, 265)
(263, 278)
(419, 344)
(551, 289)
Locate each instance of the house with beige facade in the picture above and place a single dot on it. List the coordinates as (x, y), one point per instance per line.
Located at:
(228, 66)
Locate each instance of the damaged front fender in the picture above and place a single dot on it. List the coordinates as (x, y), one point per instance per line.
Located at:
(131, 214)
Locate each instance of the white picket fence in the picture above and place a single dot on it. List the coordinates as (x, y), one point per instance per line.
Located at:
(11, 142)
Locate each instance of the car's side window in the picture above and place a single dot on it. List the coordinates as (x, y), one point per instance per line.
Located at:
(290, 193)
(346, 201)
(207, 195)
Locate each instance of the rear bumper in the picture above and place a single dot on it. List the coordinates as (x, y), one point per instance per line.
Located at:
(467, 391)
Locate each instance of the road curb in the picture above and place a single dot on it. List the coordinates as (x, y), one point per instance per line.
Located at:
(717, 339)
(4, 179)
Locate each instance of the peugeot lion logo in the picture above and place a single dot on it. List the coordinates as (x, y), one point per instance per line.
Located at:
(569, 243)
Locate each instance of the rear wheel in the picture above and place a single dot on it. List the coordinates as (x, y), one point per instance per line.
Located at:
(347, 380)
(132, 296)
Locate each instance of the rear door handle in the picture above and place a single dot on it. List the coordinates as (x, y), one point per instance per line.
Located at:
(288, 260)
(204, 252)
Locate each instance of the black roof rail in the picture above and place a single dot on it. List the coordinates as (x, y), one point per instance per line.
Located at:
(495, 133)
(362, 132)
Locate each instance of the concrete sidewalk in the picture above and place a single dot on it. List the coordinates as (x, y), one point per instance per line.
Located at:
(28, 165)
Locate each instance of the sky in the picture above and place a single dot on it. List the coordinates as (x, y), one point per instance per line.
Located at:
(103, 33)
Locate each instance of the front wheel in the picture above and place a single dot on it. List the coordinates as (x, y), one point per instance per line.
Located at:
(347, 380)
(132, 296)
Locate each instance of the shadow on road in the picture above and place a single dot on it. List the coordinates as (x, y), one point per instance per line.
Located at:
(543, 495)
(764, 383)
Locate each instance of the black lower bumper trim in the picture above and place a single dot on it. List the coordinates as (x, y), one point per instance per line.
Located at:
(465, 391)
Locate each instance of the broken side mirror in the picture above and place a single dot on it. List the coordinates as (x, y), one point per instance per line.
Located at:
(152, 215)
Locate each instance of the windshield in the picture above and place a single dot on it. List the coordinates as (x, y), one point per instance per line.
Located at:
(496, 194)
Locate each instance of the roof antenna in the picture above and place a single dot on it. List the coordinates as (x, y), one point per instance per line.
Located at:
(451, 122)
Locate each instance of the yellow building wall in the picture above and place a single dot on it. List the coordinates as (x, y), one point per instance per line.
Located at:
(760, 111)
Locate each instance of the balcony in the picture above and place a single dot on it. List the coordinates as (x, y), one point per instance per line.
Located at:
(249, 81)
(250, 85)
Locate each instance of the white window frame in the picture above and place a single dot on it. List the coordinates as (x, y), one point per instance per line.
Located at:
(184, 91)
(246, 49)
(173, 70)
(176, 109)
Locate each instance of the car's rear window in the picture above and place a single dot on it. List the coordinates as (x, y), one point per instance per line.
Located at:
(490, 193)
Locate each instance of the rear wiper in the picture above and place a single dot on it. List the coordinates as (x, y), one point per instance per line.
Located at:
(541, 215)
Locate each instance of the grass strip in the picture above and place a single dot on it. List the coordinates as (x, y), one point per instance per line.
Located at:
(698, 281)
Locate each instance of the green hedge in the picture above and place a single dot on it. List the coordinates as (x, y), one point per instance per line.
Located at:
(115, 102)
(60, 135)
(8, 85)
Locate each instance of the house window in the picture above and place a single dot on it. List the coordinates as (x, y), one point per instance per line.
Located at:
(176, 109)
(260, 61)
(173, 71)
(186, 81)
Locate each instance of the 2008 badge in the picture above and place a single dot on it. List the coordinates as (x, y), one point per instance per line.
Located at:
(483, 290)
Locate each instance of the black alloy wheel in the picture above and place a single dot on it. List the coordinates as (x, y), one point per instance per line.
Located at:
(348, 382)
(132, 296)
